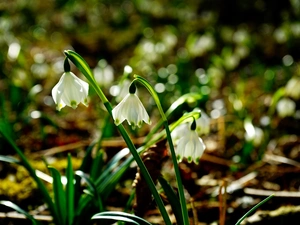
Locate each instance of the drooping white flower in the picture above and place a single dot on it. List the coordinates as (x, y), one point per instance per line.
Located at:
(292, 88)
(286, 107)
(131, 109)
(203, 124)
(253, 134)
(190, 145)
(178, 131)
(70, 91)
(104, 73)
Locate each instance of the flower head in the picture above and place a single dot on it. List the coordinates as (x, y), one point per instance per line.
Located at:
(70, 91)
(286, 107)
(190, 145)
(203, 124)
(131, 109)
(292, 88)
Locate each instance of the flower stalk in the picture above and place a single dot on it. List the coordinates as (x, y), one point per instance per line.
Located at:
(184, 210)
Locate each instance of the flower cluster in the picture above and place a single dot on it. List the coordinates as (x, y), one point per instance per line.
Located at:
(70, 91)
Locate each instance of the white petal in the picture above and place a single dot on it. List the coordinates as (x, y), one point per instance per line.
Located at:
(190, 146)
(132, 110)
(70, 90)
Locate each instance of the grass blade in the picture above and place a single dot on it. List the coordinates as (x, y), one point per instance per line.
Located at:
(32, 173)
(59, 196)
(19, 210)
(9, 159)
(121, 216)
(97, 165)
(70, 191)
(92, 189)
(173, 199)
(255, 207)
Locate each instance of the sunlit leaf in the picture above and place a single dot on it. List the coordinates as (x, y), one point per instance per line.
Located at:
(59, 196)
(120, 216)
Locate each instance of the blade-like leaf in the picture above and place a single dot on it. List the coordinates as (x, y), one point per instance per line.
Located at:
(59, 196)
(118, 215)
(9, 159)
(97, 165)
(19, 210)
(173, 199)
(85, 167)
(32, 173)
(92, 189)
(106, 220)
(113, 165)
(70, 191)
(254, 208)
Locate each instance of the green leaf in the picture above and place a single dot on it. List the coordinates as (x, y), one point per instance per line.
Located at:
(254, 208)
(173, 199)
(92, 189)
(121, 216)
(106, 220)
(112, 165)
(19, 210)
(9, 159)
(276, 97)
(113, 173)
(59, 196)
(32, 173)
(70, 191)
(97, 165)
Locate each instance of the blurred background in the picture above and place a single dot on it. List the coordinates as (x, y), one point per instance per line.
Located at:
(241, 57)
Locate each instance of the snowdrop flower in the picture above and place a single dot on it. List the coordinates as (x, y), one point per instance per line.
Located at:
(131, 109)
(178, 131)
(203, 124)
(253, 134)
(70, 90)
(190, 145)
(286, 107)
(292, 88)
(104, 73)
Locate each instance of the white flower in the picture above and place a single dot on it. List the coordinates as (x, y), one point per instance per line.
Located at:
(70, 91)
(178, 131)
(190, 146)
(292, 88)
(286, 107)
(253, 134)
(203, 124)
(104, 73)
(132, 110)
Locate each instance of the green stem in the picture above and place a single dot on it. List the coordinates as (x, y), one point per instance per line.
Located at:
(184, 210)
(173, 155)
(142, 167)
(84, 68)
(82, 65)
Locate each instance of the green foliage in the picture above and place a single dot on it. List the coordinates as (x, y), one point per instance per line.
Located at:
(109, 217)
(254, 208)
(195, 53)
(19, 210)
